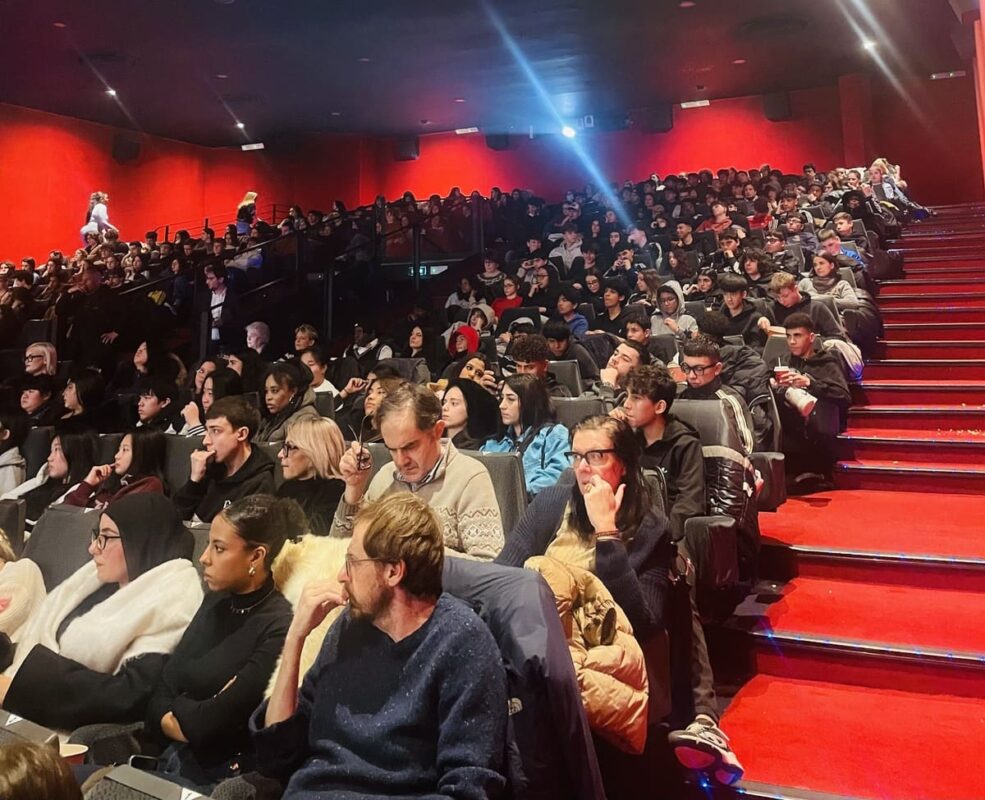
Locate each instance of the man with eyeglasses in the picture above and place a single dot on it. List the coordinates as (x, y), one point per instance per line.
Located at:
(408, 694)
(456, 486)
(701, 363)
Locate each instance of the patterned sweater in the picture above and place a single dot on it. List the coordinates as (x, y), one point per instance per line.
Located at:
(460, 493)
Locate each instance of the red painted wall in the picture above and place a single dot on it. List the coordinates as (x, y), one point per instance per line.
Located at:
(49, 165)
(728, 132)
(933, 134)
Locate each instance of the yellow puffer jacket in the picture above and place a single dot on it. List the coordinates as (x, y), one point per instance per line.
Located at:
(608, 659)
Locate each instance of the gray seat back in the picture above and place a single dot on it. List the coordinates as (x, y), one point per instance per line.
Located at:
(200, 533)
(14, 730)
(848, 275)
(505, 471)
(35, 449)
(177, 462)
(828, 302)
(568, 374)
(128, 783)
(59, 543)
(776, 351)
(325, 404)
(13, 515)
(107, 446)
(572, 410)
(414, 370)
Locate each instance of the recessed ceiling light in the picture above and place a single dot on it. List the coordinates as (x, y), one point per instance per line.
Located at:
(335, 113)
(739, 61)
(221, 76)
(459, 99)
(364, 60)
(687, 4)
(111, 92)
(241, 125)
(59, 24)
(868, 44)
(568, 132)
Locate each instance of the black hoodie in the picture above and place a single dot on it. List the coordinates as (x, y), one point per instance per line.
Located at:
(746, 325)
(208, 497)
(678, 455)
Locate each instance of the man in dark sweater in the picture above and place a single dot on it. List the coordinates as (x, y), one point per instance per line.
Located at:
(229, 467)
(531, 355)
(744, 319)
(813, 397)
(407, 697)
(613, 318)
(789, 300)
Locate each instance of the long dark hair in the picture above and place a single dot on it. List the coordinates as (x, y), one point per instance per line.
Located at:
(79, 450)
(263, 519)
(535, 401)
(147, 446)
(89, 388)
(636, 501)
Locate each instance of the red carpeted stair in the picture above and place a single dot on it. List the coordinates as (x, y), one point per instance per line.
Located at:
(868, 638)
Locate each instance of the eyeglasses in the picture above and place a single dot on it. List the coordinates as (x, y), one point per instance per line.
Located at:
(100, 539)
(351, 559)
(289, 447)
(666, 301)
(540, 274)
(29, 358)
(595, 458)
(697, 369)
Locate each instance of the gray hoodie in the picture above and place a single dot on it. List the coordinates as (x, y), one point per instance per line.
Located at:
(686, 323)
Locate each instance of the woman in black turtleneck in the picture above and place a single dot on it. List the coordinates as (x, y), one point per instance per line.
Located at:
(218, 672)
(310, 462)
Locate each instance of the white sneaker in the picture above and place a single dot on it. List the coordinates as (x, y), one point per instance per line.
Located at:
(704, 747)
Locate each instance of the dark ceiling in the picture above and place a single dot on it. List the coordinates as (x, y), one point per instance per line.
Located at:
(189, 69)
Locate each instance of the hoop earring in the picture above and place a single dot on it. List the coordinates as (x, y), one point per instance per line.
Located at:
(253, 571)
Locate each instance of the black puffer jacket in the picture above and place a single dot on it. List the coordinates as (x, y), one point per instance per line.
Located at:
(745, 371)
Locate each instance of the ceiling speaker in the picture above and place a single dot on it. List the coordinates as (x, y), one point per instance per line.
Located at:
(498, 141)
(125, 149)
(657, 119)
(407, 149)
(776, 106)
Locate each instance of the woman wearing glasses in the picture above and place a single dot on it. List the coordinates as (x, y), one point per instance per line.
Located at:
(605, 522)
(41, 358)
(309, 459)
(95, 647)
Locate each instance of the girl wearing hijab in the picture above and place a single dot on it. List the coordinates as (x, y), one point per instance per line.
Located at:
(202, 701)
(94, 649)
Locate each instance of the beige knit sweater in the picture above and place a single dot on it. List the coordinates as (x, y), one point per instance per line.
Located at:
(461, 495)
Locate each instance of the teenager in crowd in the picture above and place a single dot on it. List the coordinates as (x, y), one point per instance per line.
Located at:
(229, 467)
(156, 404)
(138, 466)
(95, 647)
(825, 279)
(470, 414)
(670, 316)
(568, 299)
(563, 347)
(529, 428)
(309, 460)
(223, 382)
(71, 457)
(82, 398)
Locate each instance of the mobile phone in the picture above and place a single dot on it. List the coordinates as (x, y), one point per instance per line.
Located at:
(145, 763)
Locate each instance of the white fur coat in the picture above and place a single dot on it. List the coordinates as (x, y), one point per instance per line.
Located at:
(21, 594)
(148, 615)
(312, 558)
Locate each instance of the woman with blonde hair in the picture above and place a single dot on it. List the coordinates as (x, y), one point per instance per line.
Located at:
(309, 459)
(246, 213)
(97, 218)
(41, 358)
